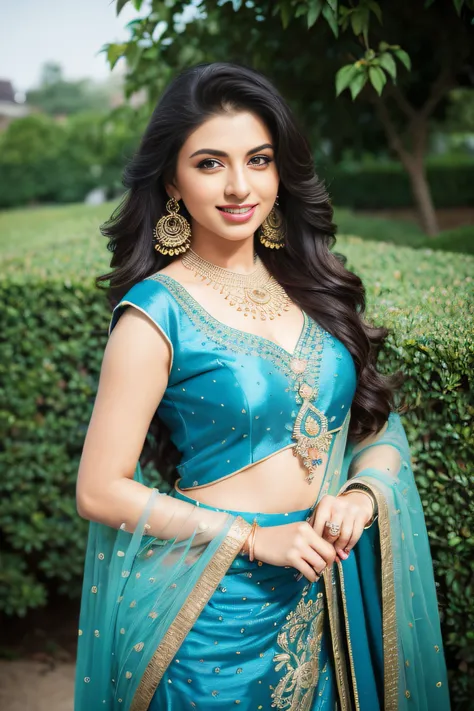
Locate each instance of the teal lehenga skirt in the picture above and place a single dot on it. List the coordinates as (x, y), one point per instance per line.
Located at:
(261, 642)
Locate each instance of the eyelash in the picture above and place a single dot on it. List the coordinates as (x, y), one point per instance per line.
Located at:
(267, 159)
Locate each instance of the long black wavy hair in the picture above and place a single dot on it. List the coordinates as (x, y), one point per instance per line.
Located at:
(314, 277)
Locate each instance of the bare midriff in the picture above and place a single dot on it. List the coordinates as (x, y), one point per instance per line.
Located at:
(274, 485)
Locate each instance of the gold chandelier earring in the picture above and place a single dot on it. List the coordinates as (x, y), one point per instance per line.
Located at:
(272, 229)
(172, 231)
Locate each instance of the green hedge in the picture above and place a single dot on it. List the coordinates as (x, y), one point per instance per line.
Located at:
(387, 185)
(54, 329)
(459, 239)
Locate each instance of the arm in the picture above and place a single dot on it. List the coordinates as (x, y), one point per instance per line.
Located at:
(133, 378)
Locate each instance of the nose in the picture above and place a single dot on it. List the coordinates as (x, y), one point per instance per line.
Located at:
(237, 184)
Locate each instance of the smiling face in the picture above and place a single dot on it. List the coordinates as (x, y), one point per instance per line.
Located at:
(227, 163)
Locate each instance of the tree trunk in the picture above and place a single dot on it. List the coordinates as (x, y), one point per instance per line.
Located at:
(423, 200)
(412, 159)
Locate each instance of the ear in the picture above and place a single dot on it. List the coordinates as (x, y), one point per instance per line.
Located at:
(172, 191)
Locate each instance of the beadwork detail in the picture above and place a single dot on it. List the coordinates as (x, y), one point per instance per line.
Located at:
(310, 429)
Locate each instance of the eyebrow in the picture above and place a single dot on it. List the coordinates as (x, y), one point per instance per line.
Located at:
(223, 154)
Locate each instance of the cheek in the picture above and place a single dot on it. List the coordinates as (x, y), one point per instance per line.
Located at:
(199, 190)
(269, 182)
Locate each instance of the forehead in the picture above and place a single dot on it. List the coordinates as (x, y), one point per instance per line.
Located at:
(233, 133)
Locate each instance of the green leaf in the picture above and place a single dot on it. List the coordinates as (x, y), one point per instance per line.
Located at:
(120, 5)
(333, 5)
(358, 84)
(331, 19)
(344, 77)
(285, 15)
(388, 63)
(403, 57)
(458, 5)
(358, 22)
(377, 78)
(133, 53)
(375, 7)
(114, 53)
(314, 11)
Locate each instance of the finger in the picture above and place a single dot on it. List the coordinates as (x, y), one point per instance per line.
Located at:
(309, 572)
(336, 518)
(346, 532)
(314, 559)
(323, 513)
(357, 532)
(323, 548)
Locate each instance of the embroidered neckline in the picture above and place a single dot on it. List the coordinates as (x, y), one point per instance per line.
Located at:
(193, 308)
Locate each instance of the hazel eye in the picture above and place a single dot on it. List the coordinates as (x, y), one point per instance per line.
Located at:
(203, 163)
(266, 160)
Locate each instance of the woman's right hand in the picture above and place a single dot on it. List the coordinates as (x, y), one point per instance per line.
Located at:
(294, 544)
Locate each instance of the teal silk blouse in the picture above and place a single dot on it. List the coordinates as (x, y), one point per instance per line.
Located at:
(235, 398)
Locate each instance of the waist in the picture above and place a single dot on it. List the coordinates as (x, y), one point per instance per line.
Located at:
(274, 484)
(263, 518)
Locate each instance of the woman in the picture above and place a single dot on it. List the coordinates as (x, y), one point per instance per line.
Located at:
(289, 567)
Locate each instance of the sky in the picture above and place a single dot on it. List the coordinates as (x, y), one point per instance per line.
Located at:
(70, 32)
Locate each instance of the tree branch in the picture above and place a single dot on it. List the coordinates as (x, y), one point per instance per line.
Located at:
(444, 82)
(395, 92)
(394, 139)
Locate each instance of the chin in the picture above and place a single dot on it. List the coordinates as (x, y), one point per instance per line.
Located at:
(234, 237)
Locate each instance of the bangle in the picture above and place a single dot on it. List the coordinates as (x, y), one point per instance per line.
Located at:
(363, 489)
(250, 541)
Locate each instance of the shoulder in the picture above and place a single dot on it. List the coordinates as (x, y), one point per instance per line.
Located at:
(152, 298)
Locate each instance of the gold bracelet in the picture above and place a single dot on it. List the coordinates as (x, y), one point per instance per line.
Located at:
(358, 489)
(252, 541)
(247, 547)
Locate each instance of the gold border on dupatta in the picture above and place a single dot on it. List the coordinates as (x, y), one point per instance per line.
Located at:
(335, 631)
(389, 613)
(189, 612)
(348, 635)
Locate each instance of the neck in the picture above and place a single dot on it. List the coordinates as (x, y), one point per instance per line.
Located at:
(236, 256)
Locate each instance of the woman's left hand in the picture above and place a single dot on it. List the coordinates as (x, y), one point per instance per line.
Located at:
(351, 512)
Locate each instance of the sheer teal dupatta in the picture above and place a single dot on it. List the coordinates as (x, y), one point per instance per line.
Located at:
(141, 596)
(383, 603)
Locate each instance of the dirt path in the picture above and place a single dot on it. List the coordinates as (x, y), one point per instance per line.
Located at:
(34, 686)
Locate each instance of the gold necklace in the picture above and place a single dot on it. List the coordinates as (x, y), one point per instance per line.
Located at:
(257, 293)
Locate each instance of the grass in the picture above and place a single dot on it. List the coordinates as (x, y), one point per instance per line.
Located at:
(378, 229)
(403, 232)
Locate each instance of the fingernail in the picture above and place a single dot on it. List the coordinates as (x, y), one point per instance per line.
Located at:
(344, 555)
